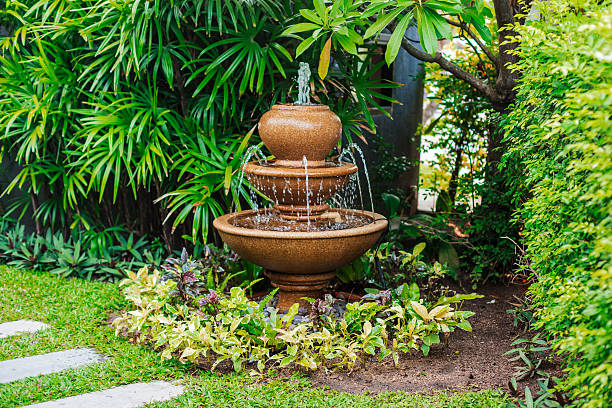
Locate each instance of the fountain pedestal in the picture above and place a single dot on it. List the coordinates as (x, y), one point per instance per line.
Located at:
(293, 288)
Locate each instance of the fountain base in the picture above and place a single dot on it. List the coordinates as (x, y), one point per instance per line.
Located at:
(292, 288)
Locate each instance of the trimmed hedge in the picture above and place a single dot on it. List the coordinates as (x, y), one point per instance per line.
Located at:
(559, 135)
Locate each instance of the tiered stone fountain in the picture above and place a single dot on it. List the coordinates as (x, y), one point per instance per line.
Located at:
(300, 241)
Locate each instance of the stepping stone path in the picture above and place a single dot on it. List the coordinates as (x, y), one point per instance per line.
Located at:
(21, 326)
(20, 368)
(126, 396)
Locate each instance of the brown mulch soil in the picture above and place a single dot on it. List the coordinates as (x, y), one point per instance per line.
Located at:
(471, 361)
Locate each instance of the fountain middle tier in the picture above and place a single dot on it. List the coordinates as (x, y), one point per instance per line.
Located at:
(287, 187)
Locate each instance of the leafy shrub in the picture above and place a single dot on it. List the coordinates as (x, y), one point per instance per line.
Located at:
(560, 138)
(391, 266)
(195, 278)
(101, 255)
(219, 327)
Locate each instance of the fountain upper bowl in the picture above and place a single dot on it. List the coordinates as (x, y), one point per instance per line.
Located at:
(292, 132)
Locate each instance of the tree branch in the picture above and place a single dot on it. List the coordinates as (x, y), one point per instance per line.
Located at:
(469, 32)
(486, 90)
(477, 54)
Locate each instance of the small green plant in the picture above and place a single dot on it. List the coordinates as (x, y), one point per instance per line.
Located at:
(194, 278)
(546, 397)
(530, 354)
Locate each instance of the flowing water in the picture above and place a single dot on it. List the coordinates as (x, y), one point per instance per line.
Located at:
(305, 161)
(356, 175)
(365, 169)
(247, 156)
(303, 82)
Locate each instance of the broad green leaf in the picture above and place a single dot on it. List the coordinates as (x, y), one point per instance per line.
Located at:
(311, 16)
(381, 22)
(346, 43)
(441, 26)
(465, 325)
(392, 202)
(451, 7)
(418, 248)
(427, 32)
(301, 27)
(320, 8)
(395, 42)
(303, 46)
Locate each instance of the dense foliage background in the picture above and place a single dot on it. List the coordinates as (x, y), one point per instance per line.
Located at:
(136, 112)
(560, 138)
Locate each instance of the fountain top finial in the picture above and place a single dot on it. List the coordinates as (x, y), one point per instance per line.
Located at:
(303, 82)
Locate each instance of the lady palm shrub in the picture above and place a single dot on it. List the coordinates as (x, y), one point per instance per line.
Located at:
(138, 112)
(560, 135)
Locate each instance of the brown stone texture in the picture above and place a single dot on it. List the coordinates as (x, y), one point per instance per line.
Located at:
(295, 261)
(294, 131)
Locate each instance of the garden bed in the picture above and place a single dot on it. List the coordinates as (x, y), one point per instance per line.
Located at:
(470, 362)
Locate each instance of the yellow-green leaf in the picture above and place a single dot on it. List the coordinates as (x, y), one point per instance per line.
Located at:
(324, 59)
(420, 310)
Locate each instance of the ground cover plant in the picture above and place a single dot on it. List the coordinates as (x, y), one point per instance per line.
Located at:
(78, 312)
(89, 254)
(185, 317)
(559, 135)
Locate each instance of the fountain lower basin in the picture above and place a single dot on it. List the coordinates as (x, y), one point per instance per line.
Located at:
(301, 263)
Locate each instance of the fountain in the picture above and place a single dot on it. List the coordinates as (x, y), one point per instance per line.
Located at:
(301, 240)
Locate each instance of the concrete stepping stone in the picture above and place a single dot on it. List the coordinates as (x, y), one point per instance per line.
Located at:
(126, 396)
(20, 368)
(21, 326)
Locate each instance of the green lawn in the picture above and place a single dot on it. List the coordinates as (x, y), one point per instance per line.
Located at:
(77, 311)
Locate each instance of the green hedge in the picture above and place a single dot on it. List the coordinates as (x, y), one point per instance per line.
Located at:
(560, 142)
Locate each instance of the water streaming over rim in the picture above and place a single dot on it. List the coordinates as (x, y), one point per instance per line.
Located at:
(356, 175)
(365, 169)
(247, 156)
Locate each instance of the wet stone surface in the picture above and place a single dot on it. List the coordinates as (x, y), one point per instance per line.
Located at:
(271, 221)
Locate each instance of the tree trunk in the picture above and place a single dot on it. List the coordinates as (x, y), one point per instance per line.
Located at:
(452, 185)
(495, 151)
